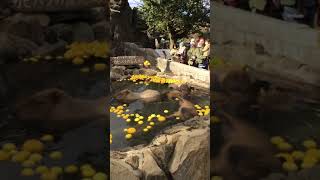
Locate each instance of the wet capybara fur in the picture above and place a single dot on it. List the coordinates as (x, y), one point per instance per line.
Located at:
(146, 96)
(186, 110)
(240, 151)
(54, 110)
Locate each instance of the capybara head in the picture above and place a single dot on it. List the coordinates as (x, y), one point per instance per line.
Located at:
(122, 95)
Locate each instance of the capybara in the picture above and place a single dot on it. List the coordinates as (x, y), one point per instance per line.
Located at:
(146, 96)
(53, 109)
(245, 154)
(186, 110)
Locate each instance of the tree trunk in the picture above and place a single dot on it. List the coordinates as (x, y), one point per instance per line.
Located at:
(171, 41)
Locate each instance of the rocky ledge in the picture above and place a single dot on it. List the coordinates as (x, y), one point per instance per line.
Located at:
(178, 152)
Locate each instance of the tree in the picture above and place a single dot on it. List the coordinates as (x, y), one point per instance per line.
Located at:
(175, 18)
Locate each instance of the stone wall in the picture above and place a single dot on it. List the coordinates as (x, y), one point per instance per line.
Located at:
(184, 70)
(43, 27)
(267, 44)
(125, 24)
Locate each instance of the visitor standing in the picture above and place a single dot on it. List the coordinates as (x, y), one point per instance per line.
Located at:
(206, 54)
(193, 53)
(182, 53)
(199, 56)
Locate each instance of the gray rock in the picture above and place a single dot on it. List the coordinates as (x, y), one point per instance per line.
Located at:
(62, 31)
(102, 30)
(50, 49)
(179, 151)
(149, 72)
(117, 73)
(12, 46)
(150, 167)
(82, 32)
(26, 26)
(99, 14)
(191, 156)
(121, 171)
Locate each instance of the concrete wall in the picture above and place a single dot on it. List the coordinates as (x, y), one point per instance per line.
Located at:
(267, 44)
(200, 77)
(183, 70)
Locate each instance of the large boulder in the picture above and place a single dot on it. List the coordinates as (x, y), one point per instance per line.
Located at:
(30, 27)
(178, 152)
(121, 171)
(12, 47)
(124, 23)
(83, 32)
(61, 31)
(102, 30)
(51, 49)
(191, 156)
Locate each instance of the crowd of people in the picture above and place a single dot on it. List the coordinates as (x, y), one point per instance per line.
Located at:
(195, 53)
(301, 11)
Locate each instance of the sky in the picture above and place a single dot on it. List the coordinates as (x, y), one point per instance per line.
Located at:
(134, 3)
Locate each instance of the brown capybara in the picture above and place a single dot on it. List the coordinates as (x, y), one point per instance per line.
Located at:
(53, 109)
(245, 154)
(146, 96)
(230, 79)
(171, 95)
(186, 110)
(184, 89)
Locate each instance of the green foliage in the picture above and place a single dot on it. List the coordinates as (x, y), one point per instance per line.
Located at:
(178, 18)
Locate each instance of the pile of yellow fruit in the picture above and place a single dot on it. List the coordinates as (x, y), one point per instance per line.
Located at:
(87, 49)
(202, 111)
(146, 63)
(307, 158)
(154, 79)
(121, 112)
(31, 154)
(78, 53)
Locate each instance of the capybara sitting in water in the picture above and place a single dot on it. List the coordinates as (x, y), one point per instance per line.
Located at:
(231, 79)
(245, 152)
(179, 90)
(186, 110)
(53, 109)
(146, 96)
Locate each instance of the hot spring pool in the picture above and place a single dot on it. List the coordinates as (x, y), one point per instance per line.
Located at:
(119, 124)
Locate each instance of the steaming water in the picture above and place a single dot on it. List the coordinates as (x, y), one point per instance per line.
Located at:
(117, 125)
